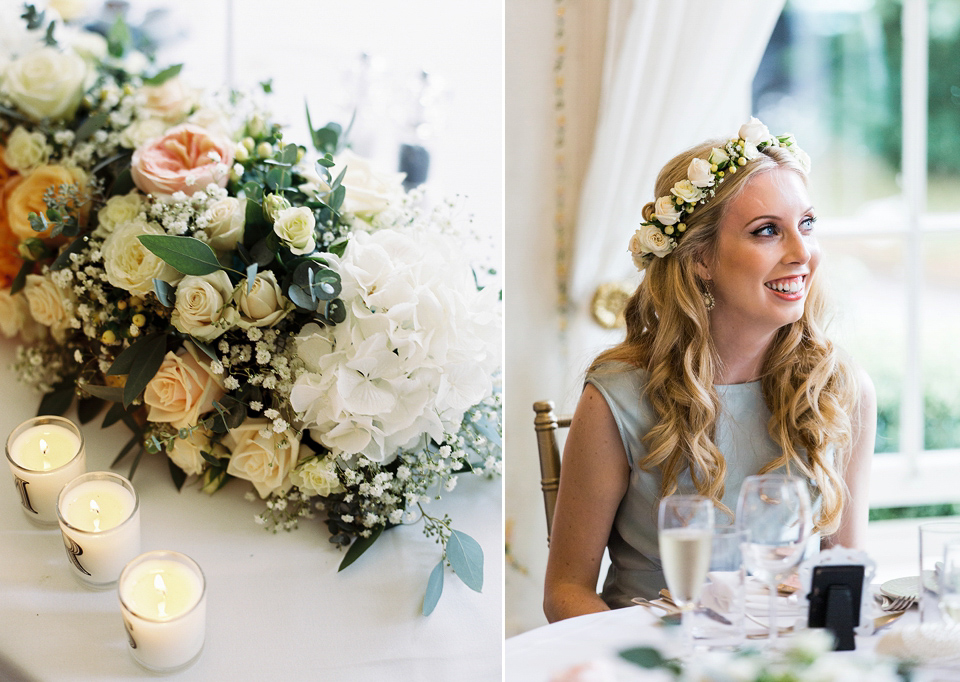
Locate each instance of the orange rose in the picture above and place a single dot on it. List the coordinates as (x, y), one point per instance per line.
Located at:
(10, 260)
(181, 161)
(5, 170)
(27, 197)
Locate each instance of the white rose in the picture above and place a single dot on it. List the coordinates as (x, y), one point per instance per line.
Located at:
(750, 151)
(295, 227)
(368, 189)
(69, 9)
(170, 101)
(753, 132)
(718, 156)
(636, 244)
(698, 172)
(665, 211)
(120, 209)
(140, 131)
(226, 219)
(185, 452)
(15, 317)
(212, 119)
(687, 191)
(25, 150)
(202, 306)
(261, 456)
(48, 305)
(317, 476)
(802, 157)
(46, 83)
(652, 240)
(264, 305)
(132, 266)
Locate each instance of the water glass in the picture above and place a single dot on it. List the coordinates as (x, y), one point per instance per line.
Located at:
(724, 594)
(934, 538)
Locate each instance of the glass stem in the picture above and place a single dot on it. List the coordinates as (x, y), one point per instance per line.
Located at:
(774, 626)
(686, 624)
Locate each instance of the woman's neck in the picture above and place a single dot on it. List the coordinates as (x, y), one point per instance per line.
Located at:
(741, 353)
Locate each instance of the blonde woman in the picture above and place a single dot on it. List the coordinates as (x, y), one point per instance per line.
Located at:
(725, 372)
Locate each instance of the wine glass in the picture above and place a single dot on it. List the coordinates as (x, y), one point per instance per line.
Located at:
(949, 598)
(774, 510)
(686, 533)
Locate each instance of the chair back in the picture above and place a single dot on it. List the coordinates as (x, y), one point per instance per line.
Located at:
(546, 424)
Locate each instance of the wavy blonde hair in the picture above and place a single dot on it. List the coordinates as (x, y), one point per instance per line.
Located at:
(809, 388)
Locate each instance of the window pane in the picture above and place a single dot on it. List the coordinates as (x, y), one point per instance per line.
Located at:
(941, 328)
(831, 76)
(865, 277)
(943, 127)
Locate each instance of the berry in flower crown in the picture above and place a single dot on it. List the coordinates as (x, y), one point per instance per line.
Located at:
(659, 236)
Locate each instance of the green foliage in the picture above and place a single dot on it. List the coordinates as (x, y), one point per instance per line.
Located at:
(466, 559)
(164, 76)
(926, 511)
(359, 546)
(434, 589)
(188, 255)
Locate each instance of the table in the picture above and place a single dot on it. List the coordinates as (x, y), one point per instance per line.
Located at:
(276, 607)
(542, 654)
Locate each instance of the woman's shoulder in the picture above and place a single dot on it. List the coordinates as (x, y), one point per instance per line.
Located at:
(618, 373)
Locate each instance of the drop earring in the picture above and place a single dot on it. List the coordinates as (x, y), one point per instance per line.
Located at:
(708, 300)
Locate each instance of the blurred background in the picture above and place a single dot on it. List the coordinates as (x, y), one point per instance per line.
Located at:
(599, 95)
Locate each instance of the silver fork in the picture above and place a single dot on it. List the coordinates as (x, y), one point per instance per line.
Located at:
(897, 604)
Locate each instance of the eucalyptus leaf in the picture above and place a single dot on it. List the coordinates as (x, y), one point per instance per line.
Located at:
(434, 589)
(339, 247)
(334, 312)
(178, 475)
(21, 279)
(253, 191)
(339, 179)
(326, 284)
(251, 276)
(89, 127)
(290, 154)
(57, 401)
(262, 254)
(111, 393)
(337, 196)
(278, 178)
(300, 297)
(359, 546)
(186, 254)
(205, 347)
(147, 363)
(163, 76)
(645, 657)
(466, 558)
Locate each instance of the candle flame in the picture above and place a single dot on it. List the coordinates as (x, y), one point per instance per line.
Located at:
(162, 588)
(95, 508)
(43, 454)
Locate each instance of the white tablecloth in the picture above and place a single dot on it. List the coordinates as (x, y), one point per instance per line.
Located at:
(276, 606)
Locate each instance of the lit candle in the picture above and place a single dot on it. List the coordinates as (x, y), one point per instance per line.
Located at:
(164, 604)
(99, 517)
(44, 453)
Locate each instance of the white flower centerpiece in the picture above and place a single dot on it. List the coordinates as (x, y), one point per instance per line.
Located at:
(250, 308)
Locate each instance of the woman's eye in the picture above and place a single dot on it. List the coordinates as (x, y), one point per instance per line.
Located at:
(808, 222)
(765, 230)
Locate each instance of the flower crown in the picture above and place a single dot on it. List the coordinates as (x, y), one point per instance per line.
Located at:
(659, 236)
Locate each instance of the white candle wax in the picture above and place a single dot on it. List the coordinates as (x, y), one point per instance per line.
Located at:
(100, 523)
(44, 454)
(163, 598)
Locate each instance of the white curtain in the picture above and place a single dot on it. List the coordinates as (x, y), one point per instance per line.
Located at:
(676, 72)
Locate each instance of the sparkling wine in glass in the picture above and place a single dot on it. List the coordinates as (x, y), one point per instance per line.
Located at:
(774, 511)
(686, 533)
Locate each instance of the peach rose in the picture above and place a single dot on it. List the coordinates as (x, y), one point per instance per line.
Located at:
(27, 197)
(170, 101)
(10, 260)
(182, 389)
(261, 456)
(185, 160)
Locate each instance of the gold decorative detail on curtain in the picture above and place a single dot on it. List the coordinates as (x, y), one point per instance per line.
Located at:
(609, 302)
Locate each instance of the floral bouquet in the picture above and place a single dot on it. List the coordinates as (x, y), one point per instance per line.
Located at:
(249, 308)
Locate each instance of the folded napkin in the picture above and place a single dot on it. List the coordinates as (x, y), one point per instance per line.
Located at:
(720, 594)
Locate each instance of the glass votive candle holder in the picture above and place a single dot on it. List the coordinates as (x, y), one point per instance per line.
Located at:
(44, 453)
(163, 600)
(99, 516)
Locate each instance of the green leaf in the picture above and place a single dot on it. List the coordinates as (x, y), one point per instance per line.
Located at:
(253, 192)
(118, 37)
(126, 448)
(262, 253)
(207, 350)
(339, 247)
(278, 178)
(301, 298)
(290, 154)
(334, 312)
(251, 276)
(213, 461)
(178, 475)
(186, 254)
(135, 464)
(434, 589)
(644, 656)
(58, 401)
(163, 76)
(466, 558)
(339, 179)
(267, 86)
(90, 126)
(123, 184)
(113, 415)
(359, 546)
(165, 292)
(128, 358)
(63, 260)
(254, 214)
(21, 279)
(230, 414)
(337, 196)
(89, 408)
(148, 361)
(48, 38)
(38, 222)
(111, 393)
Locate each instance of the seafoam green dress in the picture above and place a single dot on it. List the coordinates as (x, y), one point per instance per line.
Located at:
(741, 436)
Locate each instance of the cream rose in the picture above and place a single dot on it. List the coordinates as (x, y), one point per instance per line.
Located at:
(718, 156)
(295, 227)
(48, 305)
(182, 389)
(264, 305)
(212, 119)
(226, 219)
(120, 209)
(170, 101)
(141, 131)
(699, 174)
(132, 266)
(652, 240)
(665, 211)
(202, 306)
(25, 150)
(317, 476)
(186, 159)
(46, 83)
(368, 190)
(753, 132)
(687, 191)
(15, 317)
(261, 456)
(185, 452)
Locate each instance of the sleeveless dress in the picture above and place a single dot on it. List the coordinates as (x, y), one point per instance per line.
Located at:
(741, 435)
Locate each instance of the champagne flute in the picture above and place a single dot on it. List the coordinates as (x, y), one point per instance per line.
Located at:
(686, 533)
(774, 510)
(949, 598)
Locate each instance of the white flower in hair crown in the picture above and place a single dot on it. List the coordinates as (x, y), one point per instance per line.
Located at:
(658, 237)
